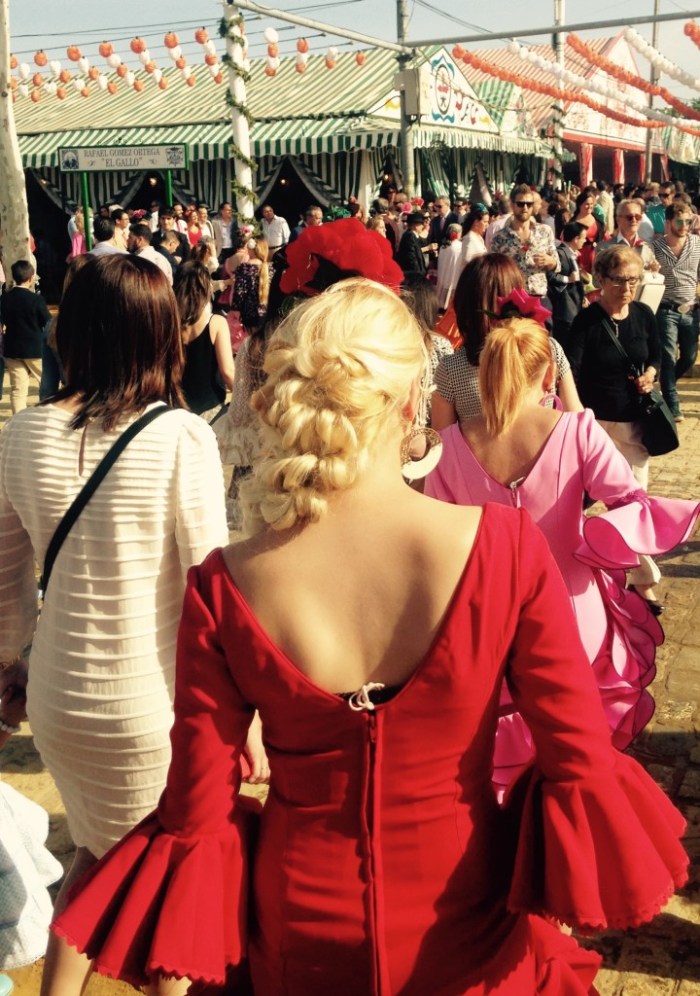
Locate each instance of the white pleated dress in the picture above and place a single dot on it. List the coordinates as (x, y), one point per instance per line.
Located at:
(103, 656)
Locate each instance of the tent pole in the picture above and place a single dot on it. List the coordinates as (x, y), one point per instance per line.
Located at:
(85, 196)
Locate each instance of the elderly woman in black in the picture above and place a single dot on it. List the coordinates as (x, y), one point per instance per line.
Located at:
(610, 384)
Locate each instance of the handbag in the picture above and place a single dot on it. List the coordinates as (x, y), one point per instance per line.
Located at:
(90, 487)
(659, 433)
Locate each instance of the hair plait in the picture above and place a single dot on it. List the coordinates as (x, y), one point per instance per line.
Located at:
(339, 368)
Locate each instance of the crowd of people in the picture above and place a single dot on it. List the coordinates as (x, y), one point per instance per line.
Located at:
(420, 638)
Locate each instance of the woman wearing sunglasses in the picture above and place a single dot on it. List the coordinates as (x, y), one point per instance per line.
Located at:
(677, 252)
(610, 384)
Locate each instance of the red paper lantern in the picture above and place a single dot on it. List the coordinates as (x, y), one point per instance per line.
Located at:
(201, 35)
(191, 80)
(61, 93)
(35, 96)
(273, 50)
(112, 88)
(302, 45)
(330, 63)
(163, 84)
(106, 49)
(219, 78)
(269, 71)
(74, 53)
(181, 62)
(121, 70)
(137, 45)
(41, 58)
(37, 79)
(65, 76)
(150, 67)
(300, 67)
(85, 92)
(211, 59)
(138, 85)
(93, 72)
(360, 58)
(171, 40)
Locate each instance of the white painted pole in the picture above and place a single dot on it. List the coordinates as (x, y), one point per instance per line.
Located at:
(245, 207)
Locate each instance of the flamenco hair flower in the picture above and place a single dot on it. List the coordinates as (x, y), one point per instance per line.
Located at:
(520, 304)
(325, 254)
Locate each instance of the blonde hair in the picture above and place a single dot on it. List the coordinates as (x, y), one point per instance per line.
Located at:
(339, 368)
(512, 358)
(261, 251)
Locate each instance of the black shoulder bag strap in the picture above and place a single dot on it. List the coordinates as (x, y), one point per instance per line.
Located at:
(620, 348)
(90, 487)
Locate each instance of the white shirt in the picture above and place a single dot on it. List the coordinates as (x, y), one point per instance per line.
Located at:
(153, 256)
(276, 232)
(106, 249)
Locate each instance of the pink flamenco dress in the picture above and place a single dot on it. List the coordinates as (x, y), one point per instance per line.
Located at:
(618, 632)
(382, 866)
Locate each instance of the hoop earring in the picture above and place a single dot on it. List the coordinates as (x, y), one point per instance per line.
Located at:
(414, 470)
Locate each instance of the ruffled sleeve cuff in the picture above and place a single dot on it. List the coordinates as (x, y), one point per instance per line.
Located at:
(597, 852)
(638, 525)
(160, 903)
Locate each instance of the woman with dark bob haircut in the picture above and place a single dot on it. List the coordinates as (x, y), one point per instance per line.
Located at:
(483, 282)
(102, 662)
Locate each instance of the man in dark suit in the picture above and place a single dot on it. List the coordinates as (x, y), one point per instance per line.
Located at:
(412, 250)
(444, 217)
(166, 222)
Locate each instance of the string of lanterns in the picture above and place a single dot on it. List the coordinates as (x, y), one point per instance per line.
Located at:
(558, 93)
(692, 30)
(631, 79)
(84, 73)
(271, 36)
(659, 61)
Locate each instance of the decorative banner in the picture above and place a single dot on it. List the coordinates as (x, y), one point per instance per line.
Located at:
(568, 96)
(659, 61)
(98, 158)
(625, 76)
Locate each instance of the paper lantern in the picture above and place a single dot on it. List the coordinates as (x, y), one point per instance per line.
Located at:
(78, 85)
(332, 52)
(122, 70)
(269, 71)
(93, 73)
(85, 92)
(60, 93)
(102, 82)
(181, 62)
(273, 50)
(271, 36)
(175, 52)
(129, 78)
(138, 85)
(213, 71)
(50, 89)
(144, 57)
(186, 72)
(211, 60)
(210, 47)
(37, 79)
(112, 88)
(360, 58)
(23, 89)
(330, 63)
(300, 67)
(137, 45)
(150, 67)
(201, 36)
(73, 53)
(513, 47)
(162, 84)
(65, 76)
(302, 45)
(273, 61)
(35, 96)
(24, 71)
(41, 58)
(105, 49)
(157, 75)
(171, 40)
(114, 60)
(219, 78)
(191, 80)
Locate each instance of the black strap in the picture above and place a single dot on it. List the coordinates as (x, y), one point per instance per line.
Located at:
(90, 487)
(620, 348)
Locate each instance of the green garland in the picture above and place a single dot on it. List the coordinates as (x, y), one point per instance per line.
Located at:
(239, 190)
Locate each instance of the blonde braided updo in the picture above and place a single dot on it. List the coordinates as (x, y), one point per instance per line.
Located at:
(339, 368)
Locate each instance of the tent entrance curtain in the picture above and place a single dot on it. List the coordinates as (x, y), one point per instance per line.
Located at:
(433, 177)
(318, 190)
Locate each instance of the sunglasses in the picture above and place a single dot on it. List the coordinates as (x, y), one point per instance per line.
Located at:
(632, 217)
(524, 204)
(621, 281)
(683, 221)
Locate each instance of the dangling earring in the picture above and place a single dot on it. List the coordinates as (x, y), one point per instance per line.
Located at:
(414, 470)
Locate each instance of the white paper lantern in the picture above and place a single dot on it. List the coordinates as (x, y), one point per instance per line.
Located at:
(55, 67)
(513, 47)
(78, 84)
(157, 76)
(210, 47)
(144, 57)
(102, 81)
(83, 65)
(51, 88)
(273, 62)
(24, 71)
(332, 53)
(302, 58)
(175, 53)
(186, 72)
(271, 36)
(214, 70)
(23, 89)
(129, 78)
(114, 60)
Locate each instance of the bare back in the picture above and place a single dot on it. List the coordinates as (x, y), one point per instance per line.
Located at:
(512, 455)
(356, 597)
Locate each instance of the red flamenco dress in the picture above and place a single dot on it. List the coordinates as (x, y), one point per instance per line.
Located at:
(383, 865)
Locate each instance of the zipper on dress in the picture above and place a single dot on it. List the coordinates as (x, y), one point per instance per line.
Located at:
(371, 818)
(514, 492)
